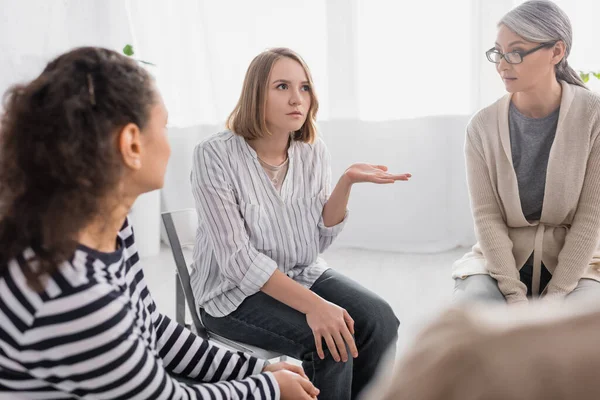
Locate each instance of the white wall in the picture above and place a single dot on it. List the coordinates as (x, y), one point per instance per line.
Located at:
(429, 213)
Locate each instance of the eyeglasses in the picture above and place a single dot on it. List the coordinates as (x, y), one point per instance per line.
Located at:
(514, 57)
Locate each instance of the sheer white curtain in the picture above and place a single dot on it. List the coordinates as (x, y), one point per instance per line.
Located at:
(32, 32)
(414, 61)
(202, 48)
(384, 60)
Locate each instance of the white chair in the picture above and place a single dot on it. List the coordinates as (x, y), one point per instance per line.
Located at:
(181, 226)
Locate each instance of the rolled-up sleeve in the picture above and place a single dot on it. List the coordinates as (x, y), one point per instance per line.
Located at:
(218, 208)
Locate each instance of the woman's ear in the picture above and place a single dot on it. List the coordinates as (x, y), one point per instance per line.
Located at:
(558, 50)
(130, 145)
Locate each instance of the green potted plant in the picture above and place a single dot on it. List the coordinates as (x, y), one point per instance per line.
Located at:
(128, 51)
(585, 76)
(591, 78)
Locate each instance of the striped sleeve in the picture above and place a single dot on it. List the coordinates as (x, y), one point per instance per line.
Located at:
(327, 234)
(216, 203)
(186, 354)
(90, 344)
(183, 352)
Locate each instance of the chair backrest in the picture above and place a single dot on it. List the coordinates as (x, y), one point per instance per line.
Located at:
(181, 228)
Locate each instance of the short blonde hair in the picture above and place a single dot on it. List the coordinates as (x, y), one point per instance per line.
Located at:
(248, 117)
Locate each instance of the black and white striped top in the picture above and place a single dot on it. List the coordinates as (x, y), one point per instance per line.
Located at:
(95, 333)
(247, 228)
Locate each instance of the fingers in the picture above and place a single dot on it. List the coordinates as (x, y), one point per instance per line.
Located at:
(351, 343)
(382, 180)
(341, 345)
(390, 178)
(349, 338)
(332, 347)
(398, 177)
(395, 177)
(349, 322)
(319, 345)
(308, 387)
(296, 369)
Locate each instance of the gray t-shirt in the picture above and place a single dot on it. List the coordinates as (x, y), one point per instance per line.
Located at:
(530, 142)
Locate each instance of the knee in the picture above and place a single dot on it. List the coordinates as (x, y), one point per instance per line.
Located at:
(477, 288)
(383, 323)
(390, 323)
(587, 290)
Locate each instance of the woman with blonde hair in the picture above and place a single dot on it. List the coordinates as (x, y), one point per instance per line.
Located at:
(533, 166)
(266, 210)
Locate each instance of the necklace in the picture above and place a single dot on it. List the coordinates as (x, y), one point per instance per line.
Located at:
(271, 165)
(274, 172)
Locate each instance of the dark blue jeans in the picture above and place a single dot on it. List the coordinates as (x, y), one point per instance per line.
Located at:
(265, 322)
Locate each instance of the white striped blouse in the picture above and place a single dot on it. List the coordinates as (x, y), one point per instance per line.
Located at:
(94, 333)
(248, 229)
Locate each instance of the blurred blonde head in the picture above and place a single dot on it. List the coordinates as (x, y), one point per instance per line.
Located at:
(545, 351)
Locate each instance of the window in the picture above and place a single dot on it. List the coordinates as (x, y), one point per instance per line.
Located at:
(414, 61)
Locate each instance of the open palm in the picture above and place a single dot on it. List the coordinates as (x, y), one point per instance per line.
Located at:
(363, 172)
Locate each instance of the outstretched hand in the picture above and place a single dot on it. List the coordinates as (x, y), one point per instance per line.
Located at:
(363, 172)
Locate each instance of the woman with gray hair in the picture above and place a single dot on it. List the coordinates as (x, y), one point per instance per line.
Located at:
(533, 166)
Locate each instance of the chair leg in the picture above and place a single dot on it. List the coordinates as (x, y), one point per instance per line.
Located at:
(179, 302)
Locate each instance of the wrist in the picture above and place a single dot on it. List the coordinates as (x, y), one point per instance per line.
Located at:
(266, 368)
(517, 299)
(345, 180)
(314, 303)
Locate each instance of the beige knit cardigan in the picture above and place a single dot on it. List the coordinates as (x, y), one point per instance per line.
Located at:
(566, 238)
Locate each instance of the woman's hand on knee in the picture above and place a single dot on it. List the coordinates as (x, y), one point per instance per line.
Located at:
(293, 386)
(333, 324)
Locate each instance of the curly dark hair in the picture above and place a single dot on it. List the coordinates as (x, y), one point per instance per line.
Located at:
(58, 151)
